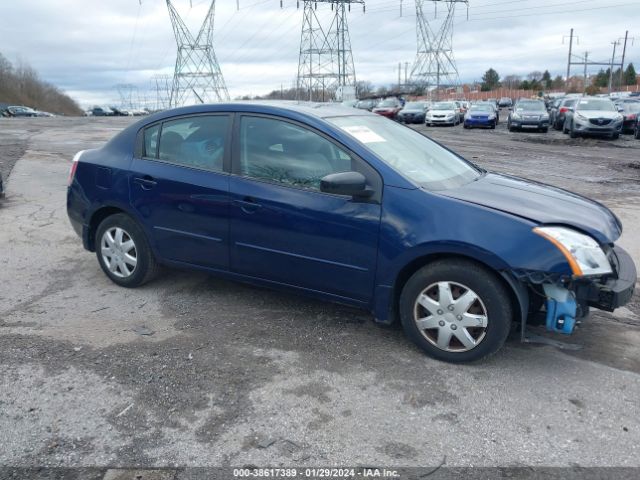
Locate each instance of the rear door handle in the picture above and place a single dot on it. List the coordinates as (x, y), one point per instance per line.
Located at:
(147, 182)
(247, 205)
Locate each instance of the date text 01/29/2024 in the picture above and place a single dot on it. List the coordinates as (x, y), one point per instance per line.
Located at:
(315, 473)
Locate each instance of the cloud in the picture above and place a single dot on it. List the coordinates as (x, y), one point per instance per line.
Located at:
(88, 46)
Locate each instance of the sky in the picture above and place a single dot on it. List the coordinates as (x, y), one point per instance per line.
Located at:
(87, 47)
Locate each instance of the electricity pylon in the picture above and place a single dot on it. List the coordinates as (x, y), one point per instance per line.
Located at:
(197, 77)
(162, 86)
(325, 62)
(434, 65)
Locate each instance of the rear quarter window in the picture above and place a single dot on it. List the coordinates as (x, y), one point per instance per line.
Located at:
(151, 141)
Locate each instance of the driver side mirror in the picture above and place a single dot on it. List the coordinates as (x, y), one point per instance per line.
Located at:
(353, 184)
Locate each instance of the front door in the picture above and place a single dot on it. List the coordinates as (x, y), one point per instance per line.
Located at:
(180, 189)
(283, 228)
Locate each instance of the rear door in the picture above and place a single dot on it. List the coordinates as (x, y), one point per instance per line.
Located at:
(283, 228)
(179, 186)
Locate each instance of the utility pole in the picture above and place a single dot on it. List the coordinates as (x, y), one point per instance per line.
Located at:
(399, 74)
(325, 59)
(197, 77)
(615, 44)
(406, 67)
(624, 51)
(586, 60)
(569, 58)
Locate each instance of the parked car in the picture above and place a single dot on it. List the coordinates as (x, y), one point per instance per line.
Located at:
(350, 208)
(367, 104)
(528, 114)
(443, 113)
(505, 102)
(389, 107)
(121, 112)
(593, 116)
(630, 113)
(413, 112)
(20, 111)
(481, 115)
(102, 112)
(559, 115)
(349, 103)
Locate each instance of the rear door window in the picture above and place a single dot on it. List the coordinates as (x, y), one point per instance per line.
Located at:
(195, 142)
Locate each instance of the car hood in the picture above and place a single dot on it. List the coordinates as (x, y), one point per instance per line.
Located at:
(540, 203)
(598, 114)
(411, 110)
(452, 112)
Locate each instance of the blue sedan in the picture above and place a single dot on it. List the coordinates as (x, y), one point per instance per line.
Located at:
(481, 115)
(347, 206)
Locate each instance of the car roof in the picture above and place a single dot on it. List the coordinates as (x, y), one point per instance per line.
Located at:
(283, 107)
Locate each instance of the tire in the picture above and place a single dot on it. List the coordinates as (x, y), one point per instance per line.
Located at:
(572, 132)
(145, 268)
(462, 276)
(493, 127)
(544, 130)
(511, 129)
(615, 136)
(637, 133)
(565, 130)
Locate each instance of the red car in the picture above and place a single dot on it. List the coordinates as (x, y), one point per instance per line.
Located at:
(388, 107)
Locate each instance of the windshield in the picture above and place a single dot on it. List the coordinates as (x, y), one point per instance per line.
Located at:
(631, 107)
(388, 103)
(481, 108)
(444, 106)
(530, 107)
(596, 104)
(414, 106)
(408, 152)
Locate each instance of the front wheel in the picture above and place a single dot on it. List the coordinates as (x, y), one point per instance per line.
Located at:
(572, 132)
(124, 252)
(615, 136)
(456, 310)
(637, 133)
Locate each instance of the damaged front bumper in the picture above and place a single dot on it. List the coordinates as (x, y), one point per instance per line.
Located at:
(569, 300)
(612, 291)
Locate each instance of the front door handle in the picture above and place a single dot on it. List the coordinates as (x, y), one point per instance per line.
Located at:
(146, 183)
(247, 205)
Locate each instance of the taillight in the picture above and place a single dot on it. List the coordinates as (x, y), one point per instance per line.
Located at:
(633, 116)
(563, 109)
(74, 167)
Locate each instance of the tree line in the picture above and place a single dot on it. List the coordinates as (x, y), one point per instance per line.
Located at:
(21, 85)
(537, 80)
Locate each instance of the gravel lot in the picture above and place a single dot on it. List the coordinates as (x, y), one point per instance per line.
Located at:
(195, 371)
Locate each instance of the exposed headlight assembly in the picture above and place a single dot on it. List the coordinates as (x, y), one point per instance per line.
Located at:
(584, 255)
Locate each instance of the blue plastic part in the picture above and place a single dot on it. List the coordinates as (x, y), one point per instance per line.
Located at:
(561, 316)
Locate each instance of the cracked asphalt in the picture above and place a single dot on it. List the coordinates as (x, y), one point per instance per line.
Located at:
(191, 370)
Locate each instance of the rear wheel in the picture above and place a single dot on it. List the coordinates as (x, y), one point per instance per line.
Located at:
(456, 310)
(637, 133)
(124, 252)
